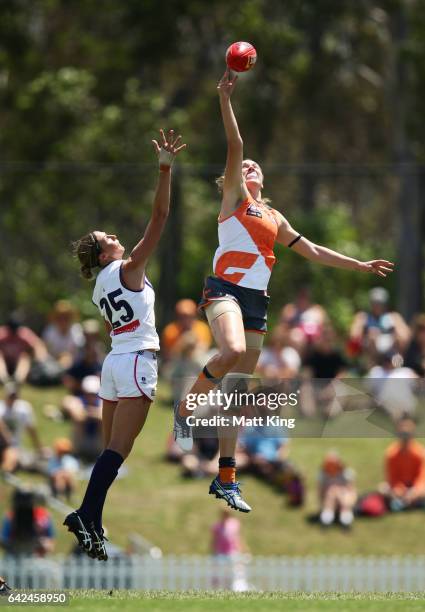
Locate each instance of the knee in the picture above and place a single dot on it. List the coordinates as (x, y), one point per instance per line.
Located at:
(230, 355)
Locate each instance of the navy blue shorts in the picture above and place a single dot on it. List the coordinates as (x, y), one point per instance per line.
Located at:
(252, 302)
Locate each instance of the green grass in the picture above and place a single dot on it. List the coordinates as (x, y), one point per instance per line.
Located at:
(159, 601)
(177, 514)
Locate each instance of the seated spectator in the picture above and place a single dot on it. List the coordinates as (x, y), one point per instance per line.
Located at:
(405, 468)
(277, 360)
(324, 364)
(304, 316)
(16, 417)
(186, 365)
(172, 337)
(27, 528)
(378, 330)
(19, 345)
(87, 364)
(264, 449)
(326, 360)
(415, 354)
(62, 468)
(393, 385)
(337, 491)
(63, 336)
(85, 412)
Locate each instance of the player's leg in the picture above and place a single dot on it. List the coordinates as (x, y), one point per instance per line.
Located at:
(245, 366)
(226, 324)
(131, 378)
(225, 319)
(128, 420)
(225, 485)
(80, 524)
(108, 411)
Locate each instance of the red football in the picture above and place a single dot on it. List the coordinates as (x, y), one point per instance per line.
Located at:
(241, 56)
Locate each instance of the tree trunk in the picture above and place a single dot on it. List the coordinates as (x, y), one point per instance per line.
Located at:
(170, 255)
(409, 254)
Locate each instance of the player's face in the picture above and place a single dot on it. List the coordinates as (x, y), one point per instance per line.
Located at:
(252, 174)
(110, 245)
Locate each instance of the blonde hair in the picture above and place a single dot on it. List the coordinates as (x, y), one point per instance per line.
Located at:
(219, 181)
(87, 250)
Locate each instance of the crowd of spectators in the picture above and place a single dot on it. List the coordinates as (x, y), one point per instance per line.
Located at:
(68, 353)
(302, 346)
(379, 347)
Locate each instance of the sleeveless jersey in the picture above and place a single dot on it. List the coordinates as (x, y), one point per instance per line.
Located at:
(131, 313)
(246, 239)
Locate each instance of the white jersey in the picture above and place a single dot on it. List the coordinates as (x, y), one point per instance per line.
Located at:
(131, 313)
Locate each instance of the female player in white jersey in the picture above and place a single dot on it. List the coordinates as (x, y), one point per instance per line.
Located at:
(235, 299)
(125, 299)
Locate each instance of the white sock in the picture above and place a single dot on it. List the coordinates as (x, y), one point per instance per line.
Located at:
(346, 517)
(327, 517)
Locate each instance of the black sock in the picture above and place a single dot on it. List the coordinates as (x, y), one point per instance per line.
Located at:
(103, 475)
(226, 462)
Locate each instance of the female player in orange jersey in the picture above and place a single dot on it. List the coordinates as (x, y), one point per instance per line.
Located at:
(235, 299)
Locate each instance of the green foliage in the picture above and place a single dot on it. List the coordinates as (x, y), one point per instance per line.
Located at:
(83, 91)
(343, 292)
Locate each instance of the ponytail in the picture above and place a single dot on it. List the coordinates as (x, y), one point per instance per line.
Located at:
(87, 249)
(86, 272)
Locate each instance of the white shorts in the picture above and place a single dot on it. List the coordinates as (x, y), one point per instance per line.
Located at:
(128, 375)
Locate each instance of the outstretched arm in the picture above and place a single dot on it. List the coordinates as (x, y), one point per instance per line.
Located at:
(320, 254)
(134, 266)
(233, 187)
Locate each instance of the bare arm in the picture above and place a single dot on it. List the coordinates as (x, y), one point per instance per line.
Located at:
(4, 375)
(320, 254)
(234, 186)
(402, 330)
(133, 269)
(22, 368)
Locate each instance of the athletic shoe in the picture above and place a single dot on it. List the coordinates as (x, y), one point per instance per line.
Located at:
(4, 587)
(182, 431)
(75, 525)
(231, 493)
(98, 540)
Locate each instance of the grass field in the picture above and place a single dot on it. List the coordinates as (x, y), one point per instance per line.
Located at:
(177, 514)
(166, 601)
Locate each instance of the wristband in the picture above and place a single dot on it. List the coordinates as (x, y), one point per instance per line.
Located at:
(165, 157)
(164, 168)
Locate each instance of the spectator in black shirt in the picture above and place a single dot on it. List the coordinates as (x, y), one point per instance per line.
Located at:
(88, 364)
(323, 365)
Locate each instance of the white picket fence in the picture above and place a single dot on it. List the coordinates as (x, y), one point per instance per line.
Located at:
(321, 573)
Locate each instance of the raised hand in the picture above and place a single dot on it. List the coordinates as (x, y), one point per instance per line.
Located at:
(380, 267)
(168, 147)
(226, 84)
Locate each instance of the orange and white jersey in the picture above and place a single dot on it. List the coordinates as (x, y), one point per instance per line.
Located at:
(246, 239)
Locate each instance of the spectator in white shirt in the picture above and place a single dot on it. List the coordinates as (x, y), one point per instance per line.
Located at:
(17, 417)
(63, 336)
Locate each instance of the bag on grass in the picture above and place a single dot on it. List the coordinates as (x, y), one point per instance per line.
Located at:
(372, 504)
